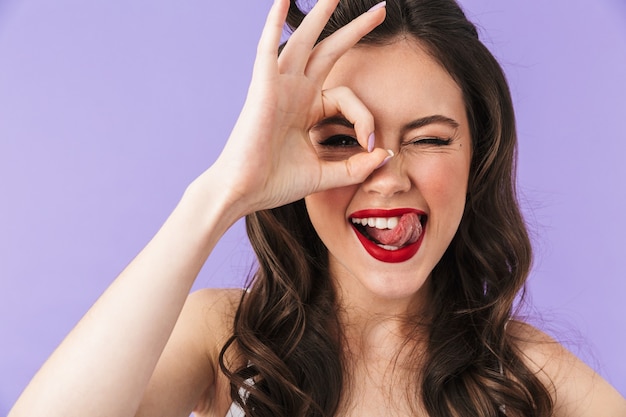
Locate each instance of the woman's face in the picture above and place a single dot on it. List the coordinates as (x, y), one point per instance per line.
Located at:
(385, 235)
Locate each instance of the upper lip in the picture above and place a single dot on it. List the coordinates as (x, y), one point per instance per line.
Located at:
(378, 212)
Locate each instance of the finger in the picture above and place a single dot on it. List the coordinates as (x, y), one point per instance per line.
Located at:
(353, 170)
(327, 52)
(267, 48)
(293, 59)
(342, 100)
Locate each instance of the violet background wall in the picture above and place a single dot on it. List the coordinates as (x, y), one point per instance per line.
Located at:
(108, 109)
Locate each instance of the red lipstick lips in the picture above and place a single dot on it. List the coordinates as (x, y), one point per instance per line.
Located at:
(384, 255)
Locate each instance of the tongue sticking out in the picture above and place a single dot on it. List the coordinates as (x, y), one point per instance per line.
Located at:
(406, 232)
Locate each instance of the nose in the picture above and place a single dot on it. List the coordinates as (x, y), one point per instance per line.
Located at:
(389, 180)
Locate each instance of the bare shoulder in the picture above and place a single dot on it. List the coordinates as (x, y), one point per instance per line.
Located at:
(210, 312)
(185, 377)
(577, 390)
(208, 318)
(213, 307)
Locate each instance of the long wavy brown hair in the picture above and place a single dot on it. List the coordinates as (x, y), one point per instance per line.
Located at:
(287, 335)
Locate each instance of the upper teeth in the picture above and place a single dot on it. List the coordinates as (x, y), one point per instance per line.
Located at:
(378, 222)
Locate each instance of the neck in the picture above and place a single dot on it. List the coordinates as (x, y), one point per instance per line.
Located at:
(383, 358)
(379, 328)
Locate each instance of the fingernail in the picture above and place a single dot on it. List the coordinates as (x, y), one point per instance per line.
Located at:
(370, 142)
(382, 164)
(378, 6)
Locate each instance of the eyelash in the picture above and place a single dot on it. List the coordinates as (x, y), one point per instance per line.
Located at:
(344, 141)
(340, 141)
(435, 141)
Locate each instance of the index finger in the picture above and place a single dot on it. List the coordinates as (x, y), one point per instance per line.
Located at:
(342, 100)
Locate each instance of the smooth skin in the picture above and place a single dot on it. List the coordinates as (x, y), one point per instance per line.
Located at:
(147, 348)
(420, 115)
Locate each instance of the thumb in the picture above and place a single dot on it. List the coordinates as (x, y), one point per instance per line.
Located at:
(353, 170)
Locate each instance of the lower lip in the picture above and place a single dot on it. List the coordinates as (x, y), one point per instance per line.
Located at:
(391, 256)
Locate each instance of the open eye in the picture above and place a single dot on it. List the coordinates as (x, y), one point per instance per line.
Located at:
(340, 141)
(338, 147)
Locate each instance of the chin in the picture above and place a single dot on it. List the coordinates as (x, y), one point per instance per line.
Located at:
(387, 288)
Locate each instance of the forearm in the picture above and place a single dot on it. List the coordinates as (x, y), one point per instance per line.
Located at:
(104, 364)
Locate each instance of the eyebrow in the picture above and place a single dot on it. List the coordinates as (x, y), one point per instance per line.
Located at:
(334, 120)
(429, 120)
(415, 124)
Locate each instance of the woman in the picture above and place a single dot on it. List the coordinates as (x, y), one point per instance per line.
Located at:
(378, 184)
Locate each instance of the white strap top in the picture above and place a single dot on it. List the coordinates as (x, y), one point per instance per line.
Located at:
(235, 411)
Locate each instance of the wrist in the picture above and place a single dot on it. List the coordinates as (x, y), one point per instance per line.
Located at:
(212, 203)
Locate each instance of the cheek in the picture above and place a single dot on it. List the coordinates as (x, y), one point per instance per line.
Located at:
(443, 183)
(328, 208)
